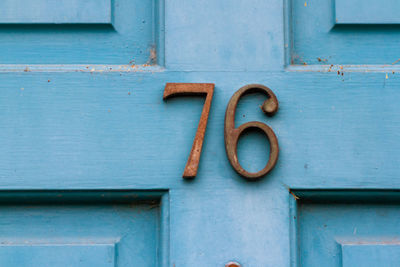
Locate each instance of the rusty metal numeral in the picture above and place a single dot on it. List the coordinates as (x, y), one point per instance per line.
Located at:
(232, 134)
(174, 89)
(232, 264)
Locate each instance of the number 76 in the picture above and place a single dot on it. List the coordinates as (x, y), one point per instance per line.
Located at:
(232, 134)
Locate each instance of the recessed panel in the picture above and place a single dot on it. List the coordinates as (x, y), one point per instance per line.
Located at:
(123, 32)
(347, 230)
(79, 229)
(344, 32)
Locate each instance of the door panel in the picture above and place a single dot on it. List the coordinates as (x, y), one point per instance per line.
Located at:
(98, 133)
(80, 228)
(347, 228)
(329, 32)
(76, 132)
(79, 32)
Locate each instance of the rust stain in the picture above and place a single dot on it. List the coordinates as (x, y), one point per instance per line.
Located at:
(153, 56)
(295, 197)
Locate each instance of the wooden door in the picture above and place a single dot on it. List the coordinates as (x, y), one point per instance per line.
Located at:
(92, 157)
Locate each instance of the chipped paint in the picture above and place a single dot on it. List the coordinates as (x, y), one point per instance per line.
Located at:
(344, 68)
(80, 68)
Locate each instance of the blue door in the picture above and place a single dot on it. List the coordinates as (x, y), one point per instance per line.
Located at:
(131, 133)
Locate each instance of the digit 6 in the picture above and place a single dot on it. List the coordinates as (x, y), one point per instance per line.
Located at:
(232, 134)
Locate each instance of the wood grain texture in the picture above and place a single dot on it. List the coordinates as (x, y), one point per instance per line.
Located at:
(102, 125)
(104, 130)
(90, 127)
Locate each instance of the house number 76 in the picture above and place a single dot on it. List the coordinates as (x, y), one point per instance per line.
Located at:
(232, 134)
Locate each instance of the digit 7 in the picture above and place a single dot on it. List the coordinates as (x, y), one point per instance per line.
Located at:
(179, 89)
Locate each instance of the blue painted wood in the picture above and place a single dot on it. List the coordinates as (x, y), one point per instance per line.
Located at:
(96, 127)
(213, 35)
(80, 32)
(62, 11)
(370, 255)
(315, 38)
(84, 130)
(103, 228)
(367, 12)
(68, 129)
(339, 228)
(63, 255)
